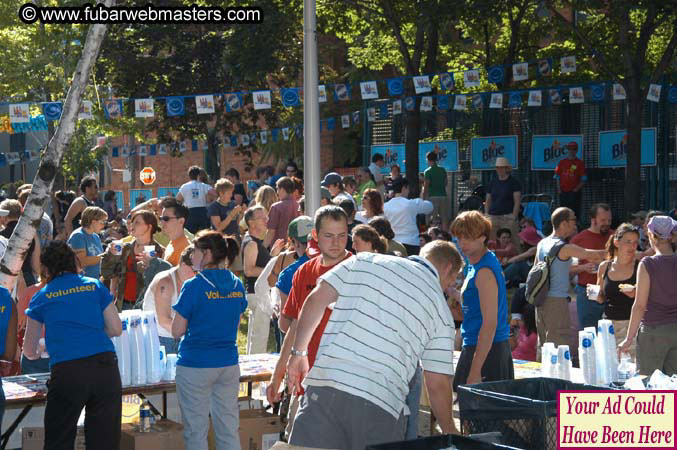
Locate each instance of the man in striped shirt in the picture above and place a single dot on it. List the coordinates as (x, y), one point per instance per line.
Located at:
(388, 313)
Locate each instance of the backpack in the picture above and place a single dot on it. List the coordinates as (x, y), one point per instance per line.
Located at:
(538, 280)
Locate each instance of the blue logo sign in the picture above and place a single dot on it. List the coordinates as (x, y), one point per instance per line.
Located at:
(393, 154)
(395, 86)
(485, 150)
(548, 150)
(175, 106)
(447, 155)
(495, 74)
(613, 148)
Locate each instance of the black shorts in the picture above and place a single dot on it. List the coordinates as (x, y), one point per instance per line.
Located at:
(497, 366)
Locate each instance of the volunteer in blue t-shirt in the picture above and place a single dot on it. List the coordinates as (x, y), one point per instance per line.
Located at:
(86, 242)
(7, 335)
(486, 354)
(207, 316)
(79, 317)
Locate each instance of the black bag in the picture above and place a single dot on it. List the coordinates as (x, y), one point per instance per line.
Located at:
(538, 280)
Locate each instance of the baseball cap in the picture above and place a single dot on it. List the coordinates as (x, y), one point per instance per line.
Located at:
(662, 226)
(300, 228)
(325, 193)
(502, 162)
(572, 145)
(331, 178)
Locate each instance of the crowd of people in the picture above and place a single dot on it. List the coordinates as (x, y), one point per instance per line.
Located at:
(366, 301)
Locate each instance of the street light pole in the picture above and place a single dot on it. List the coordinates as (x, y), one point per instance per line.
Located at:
(311, 110)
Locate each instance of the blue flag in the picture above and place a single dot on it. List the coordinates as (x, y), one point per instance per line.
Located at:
(153, 150)
(342, 92)
(274, 132)
(233, 141)
(597, 92)
(395, 86)
(442, 102)
(672, 94)
(410, 103)
(331, 123)
(496, 74)
(383, 110)
(290, 97)
(447, 81)
(175, 106)
(515, 100)
(356, 117)
(113, 109)
(52, 110)
(193, 145)
(233, 101)
(115, 152)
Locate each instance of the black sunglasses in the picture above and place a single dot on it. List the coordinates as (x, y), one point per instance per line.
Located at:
(166, 218)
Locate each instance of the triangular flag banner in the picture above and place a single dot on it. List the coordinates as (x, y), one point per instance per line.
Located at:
(618, 92)
(447, 81)
(52, 110)
(395, 87)
(142, 150)
(331, 123)
(264, 137)
(520, 71)
(285, 134)
(410, 103)
(233, 101)
(175, 106)
(597, 92)
(356, 117)
(576, 95)
(426, 103)
(460, 102)
(143, 107)
(204, 104)
(383, 111)
(545, 67)
(568, 64)
(18, 113)
(322, 93)
(368, 90)
(371, 114)
(555, 98)
(86, 110)
(672, 94)
(397, 107)
(262, 100)
(162, 149)
(471, 78)
(115, 153)
(422, 84)
(152, 151)
(495, 74)
(654, 94)
(290, 97)
(535, 98)
(341, 92)
(442, 102)
(244, 139)
(478, 101)
(345, 121)
(113, 109)
(496, 100)
(515, 100)
(275, 133)
(233, 141)
(193, 145)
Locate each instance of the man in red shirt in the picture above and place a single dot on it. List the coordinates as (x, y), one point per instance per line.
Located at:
(570, 173)
(331, 235)
(595, 238)
(282, 212)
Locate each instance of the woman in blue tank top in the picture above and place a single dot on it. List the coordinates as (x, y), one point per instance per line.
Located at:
(486, 354)
(7, 335)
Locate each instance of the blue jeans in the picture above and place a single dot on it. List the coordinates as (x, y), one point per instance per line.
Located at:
(28, 366)
(413, 400)
(171, 345)
(589, 311)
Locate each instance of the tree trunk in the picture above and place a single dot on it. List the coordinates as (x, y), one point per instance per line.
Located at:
(11, 262)
(634, 153)
(212, 157)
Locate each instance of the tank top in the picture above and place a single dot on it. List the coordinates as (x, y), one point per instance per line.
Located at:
(262, 259)
(661, 309)
(76, 219)
(559, 271)
(618, 305)
(149, 303)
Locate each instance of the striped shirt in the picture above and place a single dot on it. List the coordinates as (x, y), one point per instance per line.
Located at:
(390, 313)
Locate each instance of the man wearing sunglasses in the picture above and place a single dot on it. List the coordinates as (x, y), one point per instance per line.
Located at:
(172, 221)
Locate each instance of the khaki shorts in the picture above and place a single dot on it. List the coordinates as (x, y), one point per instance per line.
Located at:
(441, 206)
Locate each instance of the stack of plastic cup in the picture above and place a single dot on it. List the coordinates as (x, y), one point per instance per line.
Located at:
(563, 362)
(549, 360)
(587, 356)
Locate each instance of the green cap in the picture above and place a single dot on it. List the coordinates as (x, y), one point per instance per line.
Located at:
(300, 228)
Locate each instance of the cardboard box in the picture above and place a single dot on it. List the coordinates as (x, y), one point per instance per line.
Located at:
(259, 430)
(164, 435)
(33, 438)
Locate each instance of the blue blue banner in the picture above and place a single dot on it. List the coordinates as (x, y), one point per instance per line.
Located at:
(548, 150)
(393, 154)
(485, 150)
(447, 155)
(613, 148)
(175, 106)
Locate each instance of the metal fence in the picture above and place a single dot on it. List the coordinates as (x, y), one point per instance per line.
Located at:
(658, 184)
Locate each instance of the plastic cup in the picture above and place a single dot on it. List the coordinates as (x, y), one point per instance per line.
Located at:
(593, 291)
(149, 250)
(116, 247)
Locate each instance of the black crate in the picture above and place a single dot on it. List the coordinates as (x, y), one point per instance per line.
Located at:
(523, 411)
(439, 442)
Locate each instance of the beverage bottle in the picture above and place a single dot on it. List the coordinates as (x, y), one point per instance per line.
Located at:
(144, 416)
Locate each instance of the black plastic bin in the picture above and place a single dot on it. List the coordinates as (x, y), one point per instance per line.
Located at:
(523, 411)
(439, 442)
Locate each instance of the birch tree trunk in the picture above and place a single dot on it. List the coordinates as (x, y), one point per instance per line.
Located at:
(23, 234)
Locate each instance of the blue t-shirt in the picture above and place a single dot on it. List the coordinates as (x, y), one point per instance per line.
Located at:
(284, 280)
(472, 314)
(71, 308)
(91, 243)
(5, 313)
(211, 302)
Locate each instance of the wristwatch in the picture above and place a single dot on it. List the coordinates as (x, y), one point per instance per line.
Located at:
(295, 352)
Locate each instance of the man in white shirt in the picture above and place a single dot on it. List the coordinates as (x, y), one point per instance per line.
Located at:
(389, 313)
(401, 213)
(195, 196)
